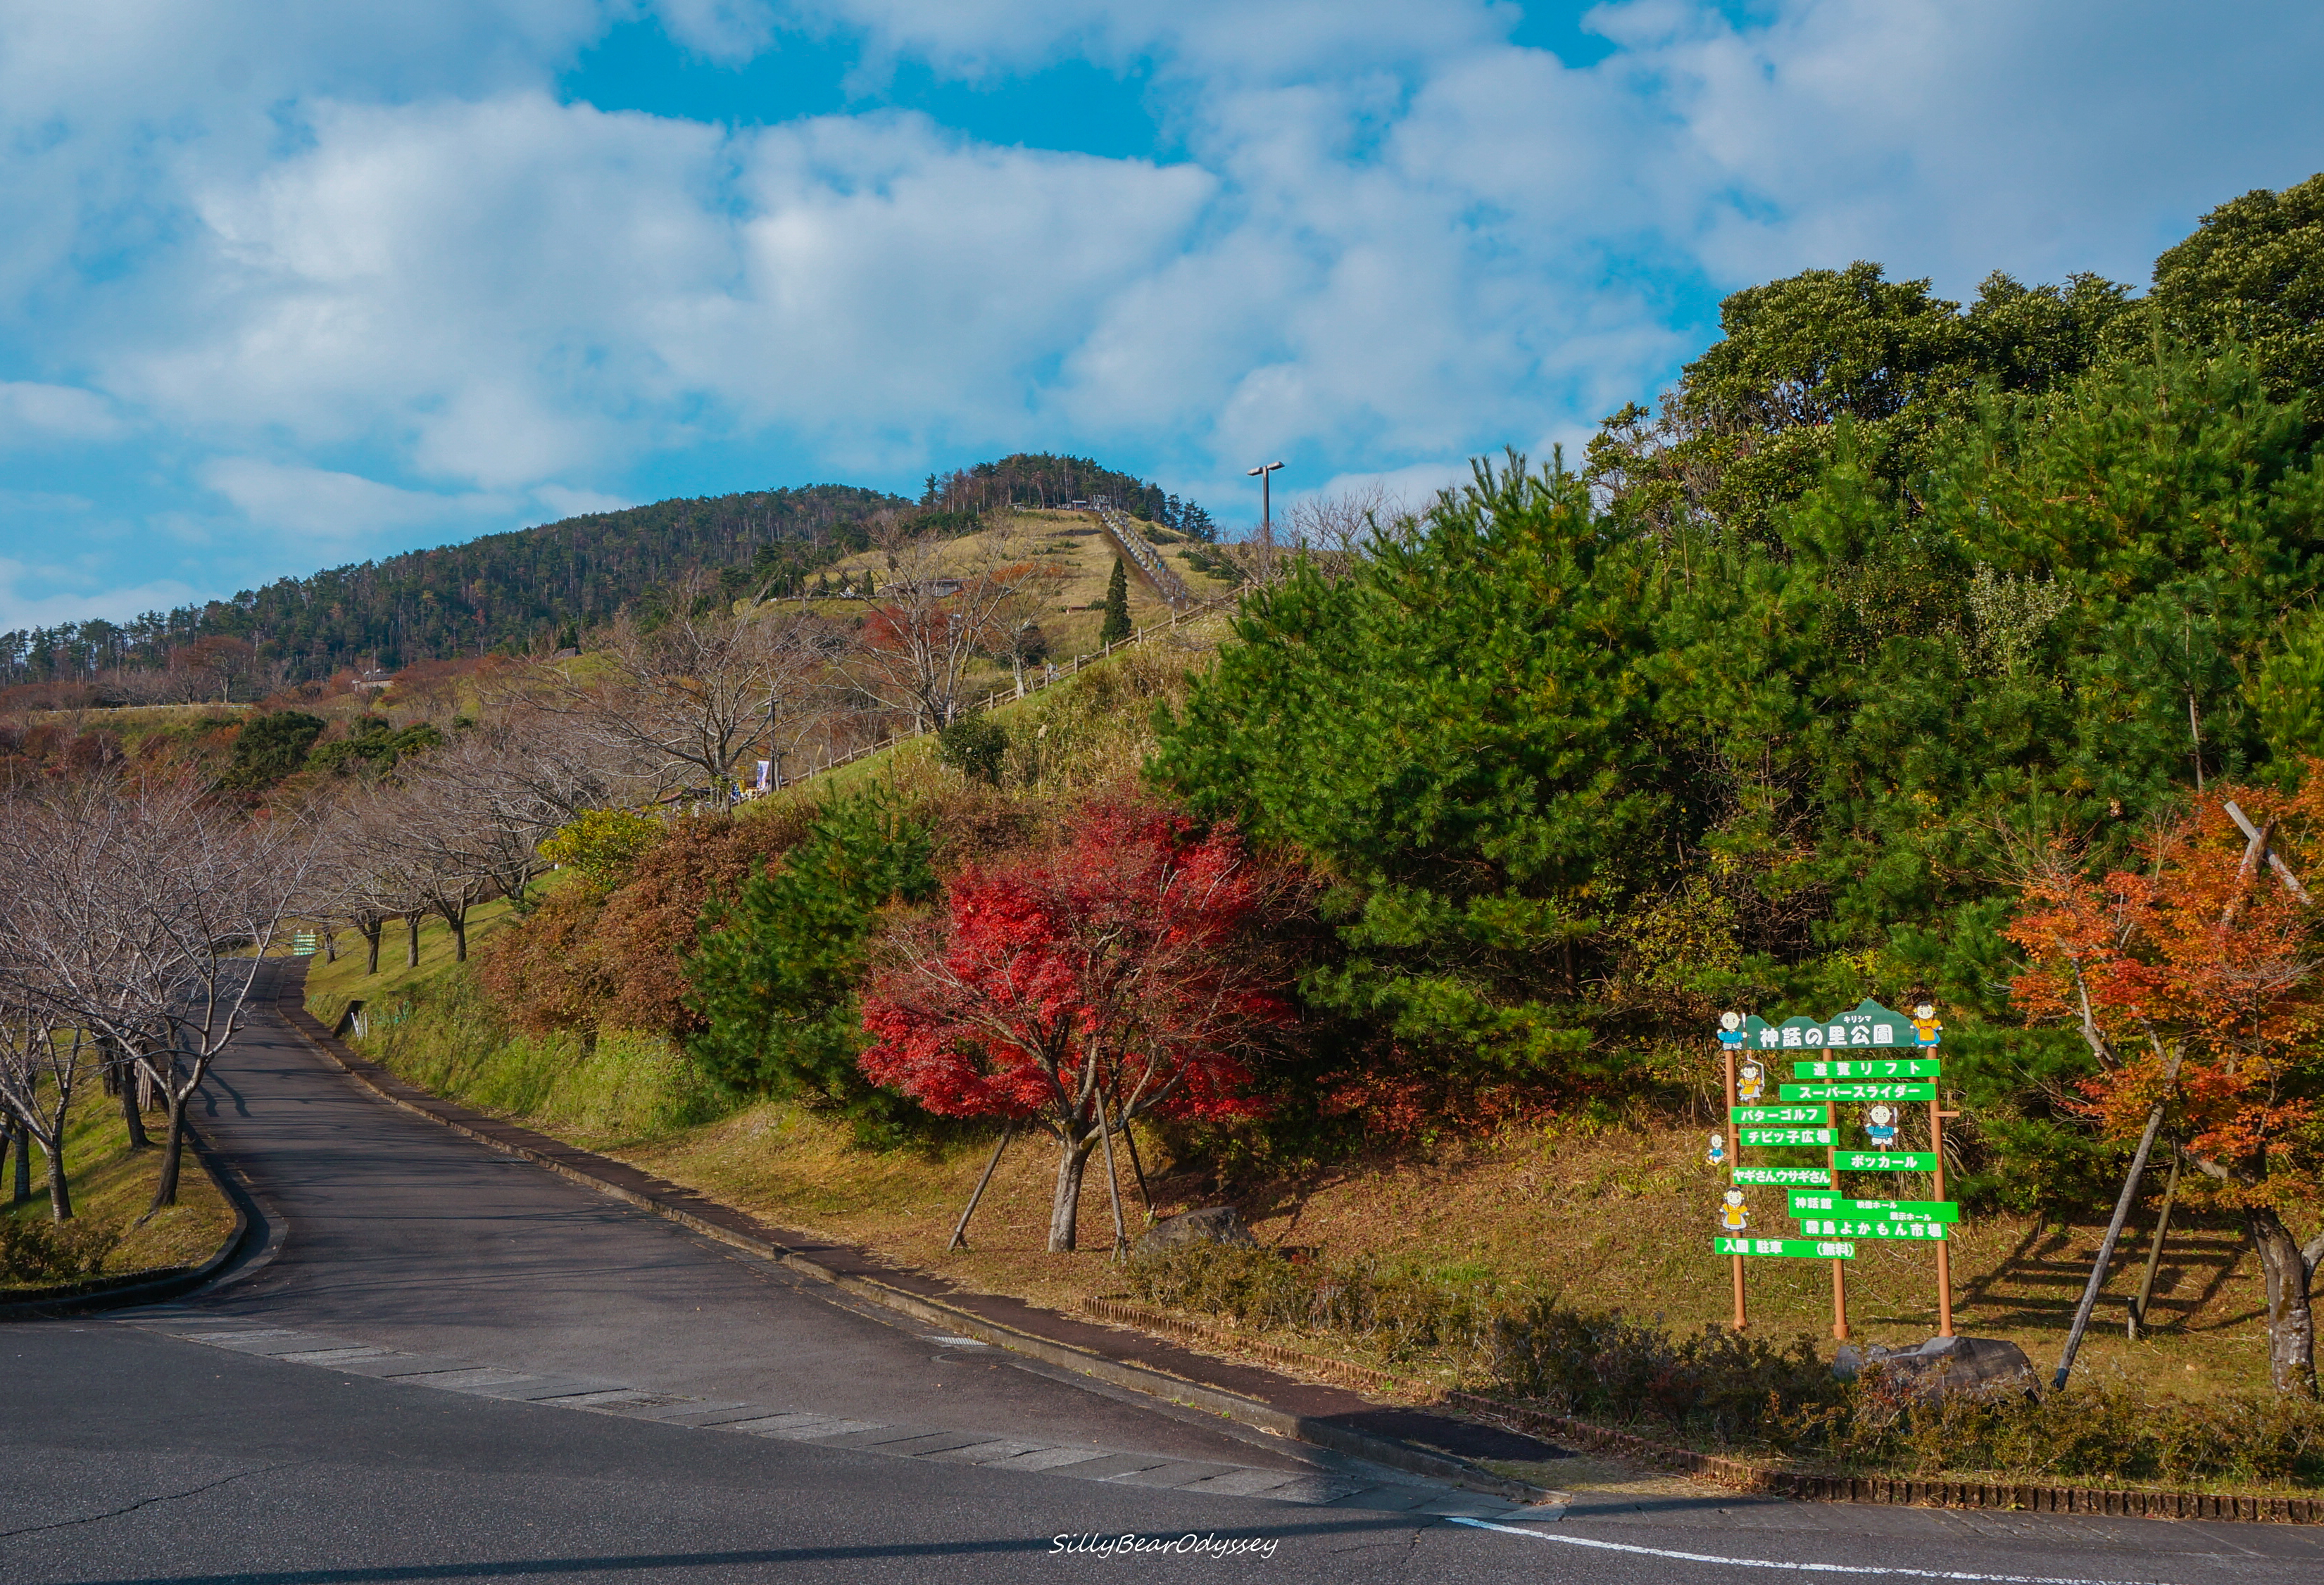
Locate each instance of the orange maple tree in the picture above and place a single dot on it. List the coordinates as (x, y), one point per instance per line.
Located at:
(2198, 983)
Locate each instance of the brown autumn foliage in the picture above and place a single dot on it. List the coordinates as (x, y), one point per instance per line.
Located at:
(588, 960)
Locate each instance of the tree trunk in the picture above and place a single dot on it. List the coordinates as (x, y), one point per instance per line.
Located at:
(24, 1189)
(330, 946)
(130, 1115)
(371, 934)
(457, 918)
(165, 1192)
(2291, 1321)
(1065, 1210)
(59, 1191)
(411, 941)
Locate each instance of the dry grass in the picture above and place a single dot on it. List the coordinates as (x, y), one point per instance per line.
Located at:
(1610, 1217)
(1067, 541)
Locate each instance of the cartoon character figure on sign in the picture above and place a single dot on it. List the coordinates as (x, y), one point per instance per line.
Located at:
(1730, 1031)
(1880, 1126)
(1717, 1155)
(1751, 1082)
(1925, 1026)
(1732, 1214)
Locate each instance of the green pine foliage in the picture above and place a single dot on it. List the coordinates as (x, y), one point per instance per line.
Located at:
(1116, 625)
(373, 744)
(1573, 788)
(773, 981)
(1752, 423)
(269, 748)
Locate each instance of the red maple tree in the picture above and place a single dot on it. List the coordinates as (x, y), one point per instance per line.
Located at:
(1082, 990)
(2195, 982)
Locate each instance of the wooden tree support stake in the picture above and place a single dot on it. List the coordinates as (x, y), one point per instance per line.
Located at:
(959, 1228)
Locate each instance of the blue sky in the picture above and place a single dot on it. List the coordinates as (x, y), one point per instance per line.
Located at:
(291, 285)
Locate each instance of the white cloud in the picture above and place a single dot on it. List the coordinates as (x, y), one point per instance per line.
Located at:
(565, 503)
(371, 248)
(347, 507)
(729, 30)
(32, 413)
(77, 601)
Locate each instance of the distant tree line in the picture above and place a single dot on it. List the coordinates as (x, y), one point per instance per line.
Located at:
(507, 593)
(543, 587)
(1040, 479)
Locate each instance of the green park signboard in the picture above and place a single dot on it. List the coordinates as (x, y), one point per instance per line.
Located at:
(1786, 1249)
(1783, 1177)
(1886, 1161)
(1792, 1116)
(1814, 1204)
(1891, 1092)
(1864, 1029)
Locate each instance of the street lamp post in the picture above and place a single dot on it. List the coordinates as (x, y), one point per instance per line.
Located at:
(1265, 475)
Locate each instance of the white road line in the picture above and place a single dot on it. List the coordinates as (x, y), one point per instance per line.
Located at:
(1753, 1562)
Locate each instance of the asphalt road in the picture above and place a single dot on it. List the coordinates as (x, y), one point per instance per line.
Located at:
(457, 1366)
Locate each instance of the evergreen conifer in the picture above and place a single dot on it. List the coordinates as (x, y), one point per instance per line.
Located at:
(1116, 626)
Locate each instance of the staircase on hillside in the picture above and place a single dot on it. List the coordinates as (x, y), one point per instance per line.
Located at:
(1142, 555)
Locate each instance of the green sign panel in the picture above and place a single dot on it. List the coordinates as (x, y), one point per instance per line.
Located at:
(1793, 1115)
(1813, 1204)
(1768, 1138)
(1785, 1177)
(1865, 1029)
(1876, 1067)
(1787, 1249)
(1836, 1227)
(1859, 1091)
(1887, 1161)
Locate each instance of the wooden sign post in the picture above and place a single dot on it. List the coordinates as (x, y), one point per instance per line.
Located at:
(1741, 1319)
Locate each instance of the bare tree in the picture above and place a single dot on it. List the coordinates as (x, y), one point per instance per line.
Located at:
(157, 904)
(1353, 522)
(944, 603)
(43, 1056)
(690, 698)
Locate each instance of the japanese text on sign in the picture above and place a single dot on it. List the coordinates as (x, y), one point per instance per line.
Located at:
(1794, 1115)
(1856, 1091)
(1813, 1204)
(1836, 1227)
(1780, 1177)
(1789, 1248)
(1772, 1138)
(1890, 1067)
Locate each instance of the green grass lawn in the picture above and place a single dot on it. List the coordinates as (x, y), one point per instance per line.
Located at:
(112, 1184)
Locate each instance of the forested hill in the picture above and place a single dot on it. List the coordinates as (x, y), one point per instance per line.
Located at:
(504, 591)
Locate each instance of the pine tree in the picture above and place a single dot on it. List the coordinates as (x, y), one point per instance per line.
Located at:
(1116, 626)
(774, 979)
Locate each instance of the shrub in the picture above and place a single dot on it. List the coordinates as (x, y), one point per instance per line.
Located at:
(601, 845)
(974, 745)
(1398, 1307)
(42, 1251)
(1720, 1388)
